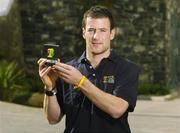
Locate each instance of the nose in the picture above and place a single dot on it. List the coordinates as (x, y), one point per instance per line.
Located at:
(96, 35)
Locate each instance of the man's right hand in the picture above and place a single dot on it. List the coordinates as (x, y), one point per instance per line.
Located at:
(46, 73)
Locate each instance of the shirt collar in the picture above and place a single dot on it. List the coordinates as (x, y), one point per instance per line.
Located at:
(82, 58)
(112, 57)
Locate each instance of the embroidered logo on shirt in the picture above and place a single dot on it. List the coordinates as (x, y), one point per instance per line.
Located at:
(108, 79)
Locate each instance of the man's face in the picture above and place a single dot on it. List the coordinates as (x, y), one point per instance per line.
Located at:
(98, 35)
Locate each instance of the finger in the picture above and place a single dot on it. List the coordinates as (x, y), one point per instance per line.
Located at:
(40, 60)
(54, 70)
(45, 72)
(65, 66)
(58, 60)
(63, 76)
(42, 64)
(61, 69)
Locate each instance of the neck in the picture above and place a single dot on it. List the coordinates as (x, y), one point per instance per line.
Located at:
(95, 59)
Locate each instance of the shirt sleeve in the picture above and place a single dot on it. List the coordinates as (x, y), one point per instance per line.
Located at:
(126, 85)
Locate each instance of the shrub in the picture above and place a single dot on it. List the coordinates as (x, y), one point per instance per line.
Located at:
(21, 98)
(153, 89)
(36, 83)
(36, 100)
(12, 80)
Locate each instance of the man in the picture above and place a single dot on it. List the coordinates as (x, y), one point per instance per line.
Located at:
(95, 91)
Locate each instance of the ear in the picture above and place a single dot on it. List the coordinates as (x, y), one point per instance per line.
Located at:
(112, 35)
(83, 33)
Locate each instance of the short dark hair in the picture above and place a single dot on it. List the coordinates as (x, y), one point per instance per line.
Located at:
(98, 12)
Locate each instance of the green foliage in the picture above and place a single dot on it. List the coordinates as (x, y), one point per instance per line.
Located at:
(35, 82)
(12, 80)
(11, 36)
(36, 100)
(21, 98)
(153, 89)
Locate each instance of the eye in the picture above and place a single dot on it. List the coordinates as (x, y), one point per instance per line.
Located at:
(91, 30)
(103, 30)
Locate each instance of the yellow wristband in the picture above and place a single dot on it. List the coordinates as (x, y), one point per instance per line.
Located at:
(80, 82)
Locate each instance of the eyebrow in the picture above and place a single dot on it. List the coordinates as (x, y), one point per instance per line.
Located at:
(98, 28)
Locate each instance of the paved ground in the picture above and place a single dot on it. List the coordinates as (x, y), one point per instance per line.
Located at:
(149, 117)
(156, 117)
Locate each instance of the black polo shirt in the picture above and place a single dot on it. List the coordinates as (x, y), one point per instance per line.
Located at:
(114, 75)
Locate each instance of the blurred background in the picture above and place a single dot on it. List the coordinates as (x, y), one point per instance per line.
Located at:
(148, 33)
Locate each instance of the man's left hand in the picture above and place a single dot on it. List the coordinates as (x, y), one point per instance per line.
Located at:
(68, 73)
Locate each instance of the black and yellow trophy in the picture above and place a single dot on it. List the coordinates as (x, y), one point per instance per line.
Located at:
(51, 53)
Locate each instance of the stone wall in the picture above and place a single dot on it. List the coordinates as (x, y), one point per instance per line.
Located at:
(147, 32)
(141, 37)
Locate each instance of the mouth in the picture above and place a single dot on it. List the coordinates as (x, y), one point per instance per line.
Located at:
(96, 43)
